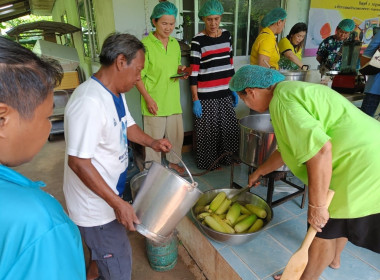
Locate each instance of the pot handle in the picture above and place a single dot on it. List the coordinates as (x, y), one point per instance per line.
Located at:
(194, 184)
(145, 163)
(252, 132)
(305, 67)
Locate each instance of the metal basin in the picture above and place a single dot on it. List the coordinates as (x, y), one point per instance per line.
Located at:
(233, 239)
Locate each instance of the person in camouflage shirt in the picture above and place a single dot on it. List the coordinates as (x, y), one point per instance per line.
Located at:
(329, 51)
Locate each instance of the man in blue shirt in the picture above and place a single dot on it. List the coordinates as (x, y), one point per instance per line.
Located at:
(372, 88)
(37, 238)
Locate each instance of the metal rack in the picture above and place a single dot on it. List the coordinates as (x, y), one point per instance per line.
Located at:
(271, 178)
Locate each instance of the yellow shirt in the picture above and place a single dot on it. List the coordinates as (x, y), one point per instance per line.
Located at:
(265, 44)
(285, 63)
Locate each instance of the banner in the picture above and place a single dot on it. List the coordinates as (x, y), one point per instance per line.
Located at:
(325, 15)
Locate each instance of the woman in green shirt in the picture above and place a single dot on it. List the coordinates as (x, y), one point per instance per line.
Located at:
(327, 143)
(160, 94)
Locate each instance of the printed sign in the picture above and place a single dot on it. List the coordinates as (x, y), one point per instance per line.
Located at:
(325, 15)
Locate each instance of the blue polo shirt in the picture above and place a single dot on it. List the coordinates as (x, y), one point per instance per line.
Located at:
(37, 238)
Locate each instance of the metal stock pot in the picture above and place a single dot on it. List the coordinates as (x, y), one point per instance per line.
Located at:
(295, 75)
(257, 140)
(162, 200)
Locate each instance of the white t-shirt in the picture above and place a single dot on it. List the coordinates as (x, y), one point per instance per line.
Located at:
(93, 129)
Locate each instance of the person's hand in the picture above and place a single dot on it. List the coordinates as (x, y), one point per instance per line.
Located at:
(125, 214)
(318, 217)
(197, 108)
(161, 145)
(254, 179)
(235, 98)
(152, 106)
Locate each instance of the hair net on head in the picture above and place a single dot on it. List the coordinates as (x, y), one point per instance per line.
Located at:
(163, 8)
(273, 16)
(347, 25)
(254, 76)
(211, 8)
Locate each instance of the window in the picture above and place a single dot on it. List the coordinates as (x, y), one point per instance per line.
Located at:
(88, 26)
(241, 17)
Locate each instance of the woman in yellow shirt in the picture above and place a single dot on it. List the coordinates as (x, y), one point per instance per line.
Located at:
(265, 51)
(291, 47)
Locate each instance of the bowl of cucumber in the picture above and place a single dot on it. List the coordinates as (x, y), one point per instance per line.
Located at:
(229, 222)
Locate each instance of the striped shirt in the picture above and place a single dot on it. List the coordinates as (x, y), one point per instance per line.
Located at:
(212, 65)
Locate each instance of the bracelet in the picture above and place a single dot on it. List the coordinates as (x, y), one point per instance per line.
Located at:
(317, 207)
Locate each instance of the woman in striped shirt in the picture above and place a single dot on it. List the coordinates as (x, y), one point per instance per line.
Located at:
(216, 127)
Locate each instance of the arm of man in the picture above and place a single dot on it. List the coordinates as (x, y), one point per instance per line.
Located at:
(135, 134)
(271, 164)
(319, 171)
(150, 103)
(291, 56)
(319, 58)
(88, 174)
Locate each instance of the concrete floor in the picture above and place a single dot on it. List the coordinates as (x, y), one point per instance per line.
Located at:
(47, 166)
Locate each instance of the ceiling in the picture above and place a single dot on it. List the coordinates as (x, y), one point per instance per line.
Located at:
(10, 9)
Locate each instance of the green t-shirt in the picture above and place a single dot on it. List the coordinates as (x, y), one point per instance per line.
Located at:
(304, 117)
(160, 65)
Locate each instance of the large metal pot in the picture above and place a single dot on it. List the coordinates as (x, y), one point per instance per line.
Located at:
(294, 75)
(163, 199)
(237, 238)
(257, 140)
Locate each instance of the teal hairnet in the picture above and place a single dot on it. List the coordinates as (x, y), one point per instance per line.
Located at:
(254, 76)
(273, 16)
(163, 8)
(211, 8)
(347, 25)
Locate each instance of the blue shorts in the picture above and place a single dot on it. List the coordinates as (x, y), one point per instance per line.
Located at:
(110, 248)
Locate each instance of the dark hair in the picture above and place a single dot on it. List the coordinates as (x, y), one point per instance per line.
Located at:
(298, 27)
(25, 79)
(119, 43)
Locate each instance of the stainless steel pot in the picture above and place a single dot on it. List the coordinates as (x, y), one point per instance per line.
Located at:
(163, 199)
(294, 75)
(257, 140)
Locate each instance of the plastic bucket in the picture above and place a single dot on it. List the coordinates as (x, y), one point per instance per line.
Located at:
(162, 256)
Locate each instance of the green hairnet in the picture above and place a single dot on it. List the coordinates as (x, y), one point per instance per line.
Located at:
(273, 16)
(254, 76)
(163, 8)
(210, 8)
(347, 25)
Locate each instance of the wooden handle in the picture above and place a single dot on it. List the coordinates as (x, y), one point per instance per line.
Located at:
(312, 231)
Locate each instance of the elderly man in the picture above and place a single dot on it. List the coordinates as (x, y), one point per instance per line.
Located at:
(98, 126)
(328, 143)
(329, 51)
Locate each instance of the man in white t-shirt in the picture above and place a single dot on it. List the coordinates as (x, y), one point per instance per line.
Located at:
(98, 126)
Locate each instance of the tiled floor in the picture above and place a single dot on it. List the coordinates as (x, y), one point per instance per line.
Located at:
(270, 251)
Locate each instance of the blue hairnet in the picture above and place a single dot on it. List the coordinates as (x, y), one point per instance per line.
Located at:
(163, 8)
(273, 16)
(254, 76)
(347, 25)
(210, 8)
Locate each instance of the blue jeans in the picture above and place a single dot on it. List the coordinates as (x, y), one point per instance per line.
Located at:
(370, 103)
